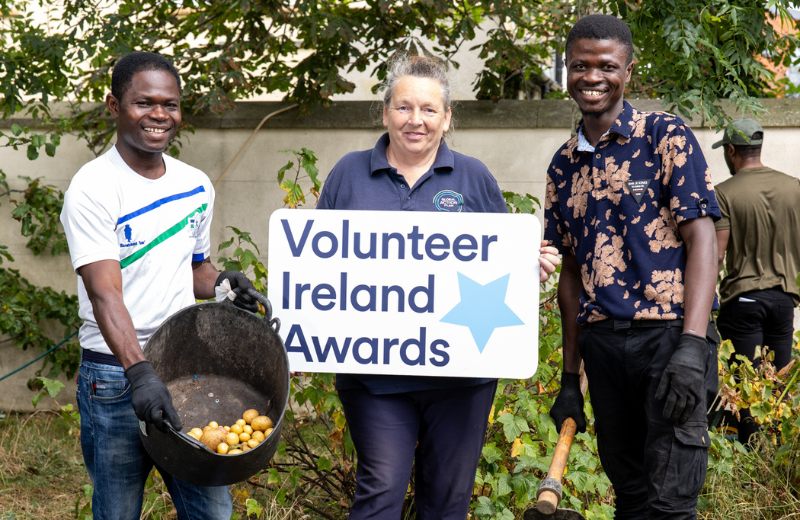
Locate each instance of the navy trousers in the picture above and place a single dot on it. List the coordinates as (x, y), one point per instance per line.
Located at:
(441, 430)
(656, 467)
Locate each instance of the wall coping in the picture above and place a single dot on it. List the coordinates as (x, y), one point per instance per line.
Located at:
(548, 113)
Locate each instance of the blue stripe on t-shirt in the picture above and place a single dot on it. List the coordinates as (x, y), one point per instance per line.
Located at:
(159, 203)
(198, 257)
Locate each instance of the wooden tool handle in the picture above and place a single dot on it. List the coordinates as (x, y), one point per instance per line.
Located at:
(548, 500)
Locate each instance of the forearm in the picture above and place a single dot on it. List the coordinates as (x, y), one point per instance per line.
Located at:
(204, 277)
(569, 292)
(700, 279)
(112, 317)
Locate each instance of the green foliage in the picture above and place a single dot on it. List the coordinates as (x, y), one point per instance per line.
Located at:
(24, 311)
(691, 53)
(306, 161)
(695, 53)
(518, 203)
(244, 259)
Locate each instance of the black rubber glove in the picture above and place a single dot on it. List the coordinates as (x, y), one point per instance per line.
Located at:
(239, 284)
(150, 398)
(569, 402)
(683, 382)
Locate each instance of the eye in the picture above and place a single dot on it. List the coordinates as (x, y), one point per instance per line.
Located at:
(403, 109)
(429, 111)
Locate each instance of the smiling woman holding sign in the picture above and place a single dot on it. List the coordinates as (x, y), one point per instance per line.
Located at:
(393, 419)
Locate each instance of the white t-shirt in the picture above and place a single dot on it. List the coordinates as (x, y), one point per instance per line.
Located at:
(154, 228)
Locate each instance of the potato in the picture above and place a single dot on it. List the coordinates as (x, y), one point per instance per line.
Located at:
(234, 451)
(261, 423)
(213, 437)
(232, 439)
(222, 448)
(257, 436)
(252, 443)
(249, 415)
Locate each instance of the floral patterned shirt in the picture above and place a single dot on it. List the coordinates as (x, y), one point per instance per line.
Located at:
(617, 210)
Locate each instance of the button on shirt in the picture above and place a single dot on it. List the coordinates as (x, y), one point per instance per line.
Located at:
(617, 208)
(366, 181)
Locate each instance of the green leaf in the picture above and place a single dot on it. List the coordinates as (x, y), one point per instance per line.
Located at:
(33, 153)
(253, 508)
(50, 149)
(16, 129)
(323, 464)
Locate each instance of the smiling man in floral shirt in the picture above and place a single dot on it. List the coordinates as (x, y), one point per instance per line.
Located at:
(630, 206)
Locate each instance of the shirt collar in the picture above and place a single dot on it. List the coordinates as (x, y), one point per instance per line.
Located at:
(622, 126)
(379, 162)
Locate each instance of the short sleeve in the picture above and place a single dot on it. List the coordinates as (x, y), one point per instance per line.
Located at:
(553, 222)
(328, 195)
(686, 176)
(202, 247)
(724, 210)
(89, 219)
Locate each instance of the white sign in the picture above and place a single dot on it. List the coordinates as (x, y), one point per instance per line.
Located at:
(411, 293)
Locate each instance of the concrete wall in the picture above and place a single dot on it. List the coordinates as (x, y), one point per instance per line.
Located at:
(515, 139)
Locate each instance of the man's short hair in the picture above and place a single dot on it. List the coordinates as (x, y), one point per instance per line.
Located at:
(130, 64)
(602, 27)
(749, 151)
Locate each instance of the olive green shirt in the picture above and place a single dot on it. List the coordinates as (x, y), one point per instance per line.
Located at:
(761, 208)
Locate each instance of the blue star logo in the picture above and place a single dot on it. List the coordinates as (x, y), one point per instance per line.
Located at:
(482, 308)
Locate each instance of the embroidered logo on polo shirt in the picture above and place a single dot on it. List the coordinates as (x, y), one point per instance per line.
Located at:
(637, 188)
(447, 200)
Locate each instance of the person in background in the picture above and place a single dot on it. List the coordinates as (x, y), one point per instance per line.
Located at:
(630, 207)
(137, 223)
(437, 423)
(759, 230)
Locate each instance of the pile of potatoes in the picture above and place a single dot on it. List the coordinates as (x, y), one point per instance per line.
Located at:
(245, 434)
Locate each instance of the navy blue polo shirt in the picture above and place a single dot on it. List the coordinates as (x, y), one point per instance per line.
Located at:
(617, 210)
(366, 181)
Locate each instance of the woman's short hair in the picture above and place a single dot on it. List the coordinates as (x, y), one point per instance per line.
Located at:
(418, 67)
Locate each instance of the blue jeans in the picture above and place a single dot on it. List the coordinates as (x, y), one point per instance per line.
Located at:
(118, 463)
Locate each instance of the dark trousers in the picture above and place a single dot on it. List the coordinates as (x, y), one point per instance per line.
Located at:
(757, 318)
(441, 430)
(657, 468)
(767, 320)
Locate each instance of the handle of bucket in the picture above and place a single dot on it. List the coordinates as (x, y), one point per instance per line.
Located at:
(274, 323)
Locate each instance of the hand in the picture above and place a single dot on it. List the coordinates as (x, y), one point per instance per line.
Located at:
(569, 402)
(683, 381)
(239, 284)
(150, 398)
(548, 261)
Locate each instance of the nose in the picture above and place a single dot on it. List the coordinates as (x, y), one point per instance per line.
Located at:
(593, 75)
(415, 117)
(159, 112)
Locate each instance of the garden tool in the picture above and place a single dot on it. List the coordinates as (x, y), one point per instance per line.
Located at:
(549, 494)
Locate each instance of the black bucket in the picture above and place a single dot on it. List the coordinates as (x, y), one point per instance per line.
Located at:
(217, 361)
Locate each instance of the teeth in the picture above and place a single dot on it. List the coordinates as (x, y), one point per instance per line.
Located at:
(591, 93)
(155, 130)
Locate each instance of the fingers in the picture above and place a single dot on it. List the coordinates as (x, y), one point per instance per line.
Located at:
(548, 260)
(663, 386)
(172, 418)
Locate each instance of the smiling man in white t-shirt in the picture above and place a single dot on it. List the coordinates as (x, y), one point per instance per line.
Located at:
(138, 222)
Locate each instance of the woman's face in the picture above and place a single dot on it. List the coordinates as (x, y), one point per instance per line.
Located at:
(416, 117)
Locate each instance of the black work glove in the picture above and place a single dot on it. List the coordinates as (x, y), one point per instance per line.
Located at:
(239, 284)
(150, 398)
(683, 382)
(569, 402)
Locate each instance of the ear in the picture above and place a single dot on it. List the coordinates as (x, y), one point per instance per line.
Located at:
(447, 115)
(629, 71)
(385, 117)
(112, 104)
